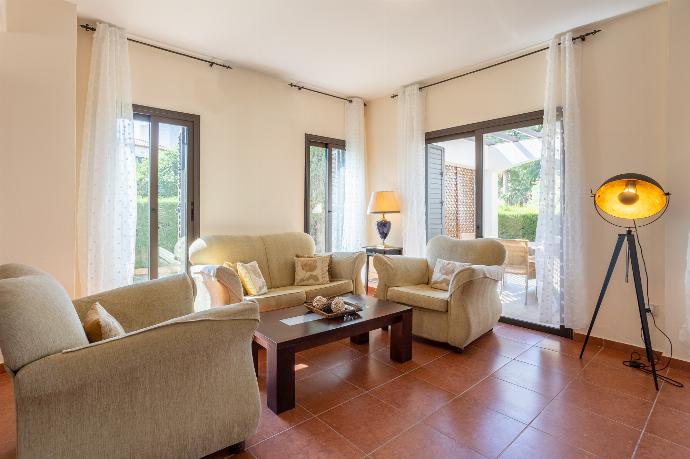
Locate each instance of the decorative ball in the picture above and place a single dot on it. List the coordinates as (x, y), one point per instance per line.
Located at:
(338, 305)
(319, 302)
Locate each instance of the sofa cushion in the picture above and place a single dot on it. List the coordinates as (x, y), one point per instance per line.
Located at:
(37, 317)
(444, 272)
(312, 270)
(252, 278)
(279, 298)
(338, 287)
(420, 296)
(100, 325)
(281, 250)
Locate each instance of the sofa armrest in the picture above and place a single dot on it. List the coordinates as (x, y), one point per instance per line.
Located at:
(141, 305)
(216, 285)
(397, 271)
(126, 391)
(348, 265)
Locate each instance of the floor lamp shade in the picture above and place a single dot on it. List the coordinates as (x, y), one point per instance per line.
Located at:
(631, 196)
(383, 202)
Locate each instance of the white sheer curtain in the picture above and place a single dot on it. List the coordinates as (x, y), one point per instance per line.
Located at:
(107, 211)
(411, 169)
(349, 193)
(560, 238)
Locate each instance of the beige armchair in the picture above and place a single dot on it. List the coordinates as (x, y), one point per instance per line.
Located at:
(470, 307)
(178, 384)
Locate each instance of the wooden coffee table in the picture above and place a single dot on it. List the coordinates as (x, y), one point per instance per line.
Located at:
(282, 341)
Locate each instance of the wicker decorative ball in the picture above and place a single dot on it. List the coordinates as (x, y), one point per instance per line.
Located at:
(319, 302)
(338, 305)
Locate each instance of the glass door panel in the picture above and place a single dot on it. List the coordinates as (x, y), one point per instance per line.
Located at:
(142, 152)
(337, 204)
(165, 195)
(317, 205)
(172, 199)
(510, 209)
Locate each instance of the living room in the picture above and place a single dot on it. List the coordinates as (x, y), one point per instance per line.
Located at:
(264, 133)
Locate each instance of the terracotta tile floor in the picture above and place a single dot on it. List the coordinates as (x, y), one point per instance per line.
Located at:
(514, 393)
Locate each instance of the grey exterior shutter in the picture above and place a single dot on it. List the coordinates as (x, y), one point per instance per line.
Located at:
(435, 163)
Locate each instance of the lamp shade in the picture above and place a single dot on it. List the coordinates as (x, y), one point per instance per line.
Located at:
(631, 196)
(383, 202)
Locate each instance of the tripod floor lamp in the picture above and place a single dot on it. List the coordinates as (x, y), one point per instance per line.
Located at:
(629, 197)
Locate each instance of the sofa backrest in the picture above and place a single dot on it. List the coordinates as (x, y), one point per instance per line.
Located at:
(37, 318)
(275, 253)
(476, 251)
(281, 250)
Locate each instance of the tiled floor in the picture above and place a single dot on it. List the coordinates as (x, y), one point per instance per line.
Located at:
(514, 393)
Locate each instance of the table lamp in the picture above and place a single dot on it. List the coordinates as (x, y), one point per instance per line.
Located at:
(630, 197)
(383, 202)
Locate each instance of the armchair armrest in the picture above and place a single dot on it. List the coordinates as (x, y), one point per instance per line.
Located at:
(348, 265)
(398, 270)
(141, 305)
(129, 391)
(474, 272)
(474, 305)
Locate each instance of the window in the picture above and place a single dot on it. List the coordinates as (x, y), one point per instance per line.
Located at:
(324, 158)
(167, 161)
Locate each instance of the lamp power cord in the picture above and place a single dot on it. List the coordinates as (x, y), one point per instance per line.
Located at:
(635, 357)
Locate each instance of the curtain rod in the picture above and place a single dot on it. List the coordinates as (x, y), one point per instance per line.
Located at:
(582, 37)
(90, 28)
(300, 87)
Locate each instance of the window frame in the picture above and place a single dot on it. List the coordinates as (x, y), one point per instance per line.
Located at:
(329, 143)
(192, 122)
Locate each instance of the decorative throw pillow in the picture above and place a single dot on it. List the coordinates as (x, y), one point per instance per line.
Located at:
(312, 270)
(99, 324)
(252, 279)
(444, 272)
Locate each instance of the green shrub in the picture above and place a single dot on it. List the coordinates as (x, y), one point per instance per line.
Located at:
(167, 228)
(517, 223)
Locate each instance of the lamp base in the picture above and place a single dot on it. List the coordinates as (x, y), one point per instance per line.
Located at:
(628, 237)
(383, 227)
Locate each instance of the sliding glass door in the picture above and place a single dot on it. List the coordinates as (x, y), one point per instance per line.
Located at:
(324, 191)
(490, 188)
(166, 148)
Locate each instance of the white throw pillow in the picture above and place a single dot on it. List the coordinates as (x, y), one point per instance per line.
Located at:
(444, 272)
(252, 279)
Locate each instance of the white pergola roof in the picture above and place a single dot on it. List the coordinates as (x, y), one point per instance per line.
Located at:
(503, 149)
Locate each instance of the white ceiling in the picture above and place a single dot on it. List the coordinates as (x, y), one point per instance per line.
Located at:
(353, 47)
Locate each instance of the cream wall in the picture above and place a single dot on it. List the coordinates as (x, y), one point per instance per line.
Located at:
(677, 220)
(252, 134)
(37, 172)
(623, 111)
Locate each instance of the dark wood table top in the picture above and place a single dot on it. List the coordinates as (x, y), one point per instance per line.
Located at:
(272, 329)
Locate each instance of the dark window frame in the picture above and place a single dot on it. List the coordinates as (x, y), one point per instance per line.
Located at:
(193, 124)
(478, 130)
(329, 143)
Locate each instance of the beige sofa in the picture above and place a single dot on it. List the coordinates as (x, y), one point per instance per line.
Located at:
(275, 254)
(179, 384)
(470, 307)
